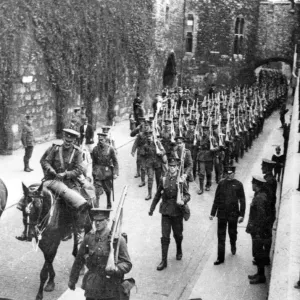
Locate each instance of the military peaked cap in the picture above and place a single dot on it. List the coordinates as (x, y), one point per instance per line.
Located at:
(100, 214)
(71, 132)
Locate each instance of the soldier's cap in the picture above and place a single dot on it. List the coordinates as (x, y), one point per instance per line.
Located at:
(99, 214)
(224, 120)
(258, 180)
(175, 118)
(278, 148)
(215, 125)
(71, 132)
(173, 161)
(229, 169)
(29, 117)
(75, 109)
(106, 128)
(268, 162)
(102, 134)
(168, 120)
(142, 119)
(177, 137)
(192, 122)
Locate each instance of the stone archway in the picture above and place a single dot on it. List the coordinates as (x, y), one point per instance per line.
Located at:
(169, 75)
(273, 59)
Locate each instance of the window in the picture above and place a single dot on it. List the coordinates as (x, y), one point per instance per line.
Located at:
(238, 36)
(167, 15)
(189, 42)
(190, 23)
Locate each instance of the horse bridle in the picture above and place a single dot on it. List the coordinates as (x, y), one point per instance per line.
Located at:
(28, 207)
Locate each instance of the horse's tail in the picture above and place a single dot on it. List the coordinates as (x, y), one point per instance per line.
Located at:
(3, 196)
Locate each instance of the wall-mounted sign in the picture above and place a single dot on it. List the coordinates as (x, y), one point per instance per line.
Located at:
(27, 79)
(15, 128)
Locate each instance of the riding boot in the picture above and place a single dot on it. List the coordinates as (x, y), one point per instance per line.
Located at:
(108, 195)
(201, 183)
(260, 276)
(178, 248)
(164, 250)
(149, 193)
(26, 168)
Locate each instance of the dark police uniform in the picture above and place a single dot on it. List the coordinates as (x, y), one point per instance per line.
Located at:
(229, 205)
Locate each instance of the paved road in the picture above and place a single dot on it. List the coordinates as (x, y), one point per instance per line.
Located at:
(20, 264)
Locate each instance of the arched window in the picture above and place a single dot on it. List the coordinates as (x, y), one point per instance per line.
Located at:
(167, 15)
(189, 42)
(238, 36)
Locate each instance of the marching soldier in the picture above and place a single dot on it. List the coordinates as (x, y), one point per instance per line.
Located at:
(172, 210)
(229, 206)
(105, 169)
(258, 221)
(205, 159)
(153, 155)
(219, 153)
(98, 283)
(166, 136)
(109, 139)
(28, 142)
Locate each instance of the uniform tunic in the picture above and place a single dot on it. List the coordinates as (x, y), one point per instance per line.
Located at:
(94, 251)
(27, 141)
(229, 204)
(172, 213)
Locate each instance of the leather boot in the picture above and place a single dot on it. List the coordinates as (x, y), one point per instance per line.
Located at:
(201, 187)
(149, 193)
(260, 278)
(30, 168)
(164, 250)
(178, 248)
(108, 195)
(143, 175)
(26, 168)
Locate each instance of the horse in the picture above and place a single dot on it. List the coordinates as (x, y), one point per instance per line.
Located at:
(50, 219)
(3, 196)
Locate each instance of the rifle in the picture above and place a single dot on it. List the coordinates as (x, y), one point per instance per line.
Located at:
(179, 200)
(116, 225)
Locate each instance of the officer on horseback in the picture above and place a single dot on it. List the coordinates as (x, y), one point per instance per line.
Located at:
(62, 168)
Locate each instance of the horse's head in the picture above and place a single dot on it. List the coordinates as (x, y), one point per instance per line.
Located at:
(33, 199)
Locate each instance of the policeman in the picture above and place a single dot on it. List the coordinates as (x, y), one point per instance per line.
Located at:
(229, 206)
(28, 142)
(153, 155)
(105, 168)
(172, 210)
(271, 187)
(98, 283)
(258, 221)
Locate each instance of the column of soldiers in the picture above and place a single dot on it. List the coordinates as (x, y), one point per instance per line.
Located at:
(187, 137)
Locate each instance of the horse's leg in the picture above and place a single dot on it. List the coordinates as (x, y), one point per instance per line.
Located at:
(43, 278)
(78, 237)
(50, 258)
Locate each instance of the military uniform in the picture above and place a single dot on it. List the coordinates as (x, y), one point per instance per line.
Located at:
(28, 143)
(189, 138)
(105, 166)
(257, 223)
(66, 160)
(94, 252)
(166, 140)
(153, 162)
(229, 205)
(172, 213)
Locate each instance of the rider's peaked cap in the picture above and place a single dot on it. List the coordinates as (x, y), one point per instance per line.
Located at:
(99, 214)
(71, 132)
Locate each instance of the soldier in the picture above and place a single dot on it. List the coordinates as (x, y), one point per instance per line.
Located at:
(219, 154)
(138, 111)
(28, 142)
(256, 227)
(229, 205)
(171, 210)
(271, 187)
(166, 137)
(190, 139)
(109, 139)
(75, 122)
(153, 155)
(279, 160)
(98, 283)
(283, 111)
(87, 134)
(105, 168)
(177, 152)
(205, 159)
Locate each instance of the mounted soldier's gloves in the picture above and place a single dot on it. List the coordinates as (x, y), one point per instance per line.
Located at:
(71, 286)
(61, 175)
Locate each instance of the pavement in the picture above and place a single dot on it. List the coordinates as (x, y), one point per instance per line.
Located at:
(193, 277)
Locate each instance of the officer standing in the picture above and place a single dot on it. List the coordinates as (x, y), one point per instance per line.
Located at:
(256, 227)
(28, 142)
(229, 206)
(98, 283)
(105, 168)
(171, 210)
(271, 187)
